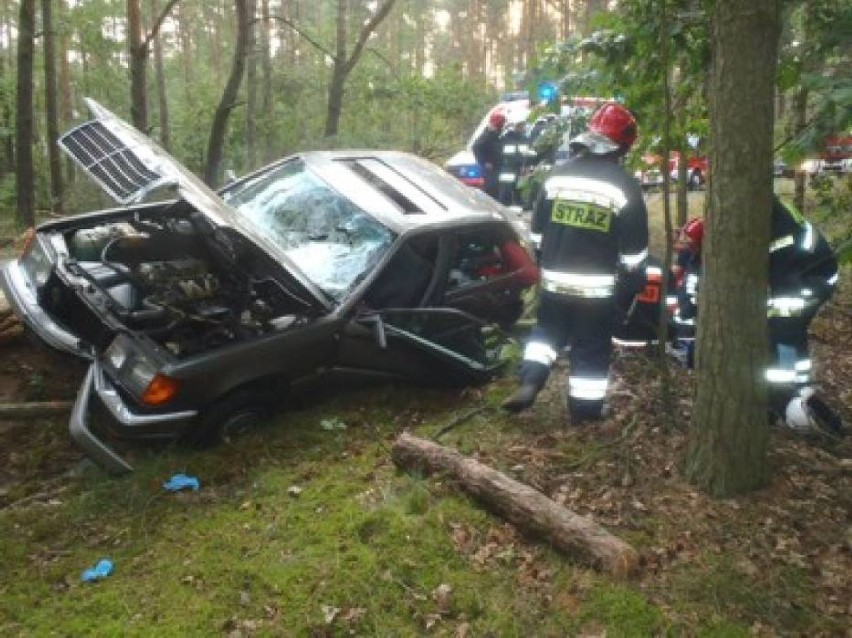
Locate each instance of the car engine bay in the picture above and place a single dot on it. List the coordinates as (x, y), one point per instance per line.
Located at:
(186, 285)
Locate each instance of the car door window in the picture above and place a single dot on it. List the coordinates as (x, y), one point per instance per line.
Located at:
(478, 259)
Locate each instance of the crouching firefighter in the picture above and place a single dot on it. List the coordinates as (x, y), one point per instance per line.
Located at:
(803, 274)
(592, 227)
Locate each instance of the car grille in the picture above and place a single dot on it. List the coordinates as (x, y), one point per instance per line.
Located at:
(108, 161)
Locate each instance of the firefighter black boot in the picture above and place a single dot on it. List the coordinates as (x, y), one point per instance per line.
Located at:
(522, 399)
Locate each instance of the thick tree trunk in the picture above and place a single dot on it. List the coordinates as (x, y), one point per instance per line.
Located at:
(52, 107)
(66, 99)
(216, 142)
(522, 505)
(729, 432)
(25, 171)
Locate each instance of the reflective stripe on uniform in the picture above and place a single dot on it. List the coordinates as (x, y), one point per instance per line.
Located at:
(653, 270)
(510, 149)
(507, 177)
(585, 189)
(833, 279)
(633, 260)
(540, 352)
(804, 365)
(590, 388)
(782, 242)
(577, 284)
(780, 375)
(785, 306)
(535, 238)
(691, 284)
(809, 238)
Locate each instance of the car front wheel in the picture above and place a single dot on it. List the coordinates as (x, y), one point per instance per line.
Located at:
(230, 417)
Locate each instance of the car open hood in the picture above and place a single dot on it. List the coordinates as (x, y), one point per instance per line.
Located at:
(129, 166)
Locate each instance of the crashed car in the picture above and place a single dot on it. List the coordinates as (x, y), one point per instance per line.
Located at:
(198, 312)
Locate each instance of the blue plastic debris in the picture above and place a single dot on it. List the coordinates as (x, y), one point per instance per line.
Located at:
(181, 482)
(98, 572)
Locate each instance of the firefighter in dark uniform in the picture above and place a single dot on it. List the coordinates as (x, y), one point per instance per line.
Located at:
(593, 228)
(515, 154)
(488, 151)
(687, 272)
(803, 274)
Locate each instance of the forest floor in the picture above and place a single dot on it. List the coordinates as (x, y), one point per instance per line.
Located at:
(774, 562)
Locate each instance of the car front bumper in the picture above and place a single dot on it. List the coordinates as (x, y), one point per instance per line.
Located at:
(126, 423)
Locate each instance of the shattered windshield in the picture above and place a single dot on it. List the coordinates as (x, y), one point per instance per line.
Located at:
(332, 241)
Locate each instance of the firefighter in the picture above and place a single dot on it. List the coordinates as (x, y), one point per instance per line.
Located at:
(803, 274)
(488, 151)
(592, 226)
(515, 153)
(687, 271)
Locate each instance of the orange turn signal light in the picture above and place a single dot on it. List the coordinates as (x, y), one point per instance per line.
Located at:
(162, 389)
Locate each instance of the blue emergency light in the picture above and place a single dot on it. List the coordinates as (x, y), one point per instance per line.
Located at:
(548, 92)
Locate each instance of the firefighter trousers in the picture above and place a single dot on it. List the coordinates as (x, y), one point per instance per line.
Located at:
(585, 326)
(790, 367)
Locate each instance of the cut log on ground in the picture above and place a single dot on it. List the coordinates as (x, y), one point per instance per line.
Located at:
(35, 410)
(520, 504)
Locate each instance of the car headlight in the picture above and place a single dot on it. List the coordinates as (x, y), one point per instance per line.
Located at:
(139, 373)
(37, 263)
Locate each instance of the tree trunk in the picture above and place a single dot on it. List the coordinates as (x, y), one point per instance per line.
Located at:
(521, 505)
(729, 432)
(162, 101)
(138, 56)
(800, 122)
(25, 171)
(343, 65)
(251, 88)
(52, 107)
(66, 99)
(266, 70)
(216, 142)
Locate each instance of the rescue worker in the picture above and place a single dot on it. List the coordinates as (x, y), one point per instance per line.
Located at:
(515, 153)
(488, 151)
(592, 225)
(803, 274)
(687, 271)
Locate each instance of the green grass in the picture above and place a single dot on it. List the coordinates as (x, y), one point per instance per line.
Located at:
(359, 550)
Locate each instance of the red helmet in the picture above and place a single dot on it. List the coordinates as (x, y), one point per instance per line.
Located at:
(694, 230)
(497, 120)
(616, 123)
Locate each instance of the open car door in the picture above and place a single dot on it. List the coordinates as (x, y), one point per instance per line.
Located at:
(435, 346)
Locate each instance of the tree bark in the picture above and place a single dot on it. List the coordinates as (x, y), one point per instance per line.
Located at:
(216, 142)
(729, 432)
(522, 505)
(138, 55)
(25, 182)
(162, 101)
(52, 107)
(34, 410)
(266, 70)
(251, 88)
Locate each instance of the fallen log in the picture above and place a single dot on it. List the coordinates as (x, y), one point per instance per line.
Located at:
(527, 508)
(34, 410)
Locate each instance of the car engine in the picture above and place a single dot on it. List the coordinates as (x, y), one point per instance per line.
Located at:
(182, 289)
